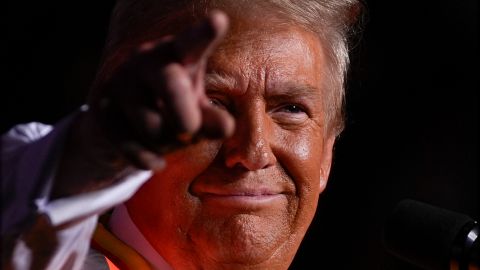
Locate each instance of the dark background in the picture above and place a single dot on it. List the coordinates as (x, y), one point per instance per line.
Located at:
(412, 102)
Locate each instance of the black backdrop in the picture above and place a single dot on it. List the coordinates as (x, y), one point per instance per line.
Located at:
(412, 112)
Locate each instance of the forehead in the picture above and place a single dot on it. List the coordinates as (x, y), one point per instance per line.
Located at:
(270, 52)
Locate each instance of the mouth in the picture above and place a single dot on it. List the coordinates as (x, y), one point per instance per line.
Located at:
(243, 198)
(243, 201)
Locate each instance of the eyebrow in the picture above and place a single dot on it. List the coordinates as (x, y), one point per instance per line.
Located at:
(220, 81)
(297, 90)
(290, 89)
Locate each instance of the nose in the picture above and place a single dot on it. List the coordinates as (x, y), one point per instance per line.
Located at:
(250, 146)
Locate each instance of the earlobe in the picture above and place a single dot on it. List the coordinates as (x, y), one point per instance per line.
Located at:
(326, 164)
(322, 184)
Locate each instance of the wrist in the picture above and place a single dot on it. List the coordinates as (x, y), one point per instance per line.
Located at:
(89, 161)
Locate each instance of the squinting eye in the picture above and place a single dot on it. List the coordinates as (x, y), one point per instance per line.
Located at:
(292, 109)
(290, 114)
(216, 103)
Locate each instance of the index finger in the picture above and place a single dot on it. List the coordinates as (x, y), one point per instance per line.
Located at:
(199, 41)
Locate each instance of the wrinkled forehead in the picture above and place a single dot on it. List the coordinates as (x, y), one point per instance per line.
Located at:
(258, 36)
(277, 51)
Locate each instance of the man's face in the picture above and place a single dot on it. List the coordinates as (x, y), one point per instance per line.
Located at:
(248, 200)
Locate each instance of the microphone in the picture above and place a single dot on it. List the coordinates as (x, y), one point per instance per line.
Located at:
(432, 238)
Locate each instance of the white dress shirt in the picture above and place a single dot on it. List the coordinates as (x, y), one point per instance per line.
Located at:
(29, 154)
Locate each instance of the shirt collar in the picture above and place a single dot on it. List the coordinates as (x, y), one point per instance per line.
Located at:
(123, 227)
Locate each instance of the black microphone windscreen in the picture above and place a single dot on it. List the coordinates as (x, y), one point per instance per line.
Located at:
(423, 234)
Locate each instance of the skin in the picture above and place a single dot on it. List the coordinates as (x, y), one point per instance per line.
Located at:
(246, 201)
(232, 125)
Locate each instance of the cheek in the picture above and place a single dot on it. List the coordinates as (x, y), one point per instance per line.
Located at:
(166, 198)
(302, 150)
(299, 153)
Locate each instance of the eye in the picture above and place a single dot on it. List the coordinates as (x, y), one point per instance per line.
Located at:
(290, 114)
(292, 108)
(216, 102)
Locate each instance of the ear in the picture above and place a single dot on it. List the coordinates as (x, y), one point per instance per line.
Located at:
(326, 161)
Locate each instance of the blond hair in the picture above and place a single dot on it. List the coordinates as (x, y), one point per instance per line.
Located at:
(334, 21)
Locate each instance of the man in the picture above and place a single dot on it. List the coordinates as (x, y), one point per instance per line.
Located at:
(233, 129)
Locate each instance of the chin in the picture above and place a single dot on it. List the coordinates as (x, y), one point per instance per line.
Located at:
(246, 241)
